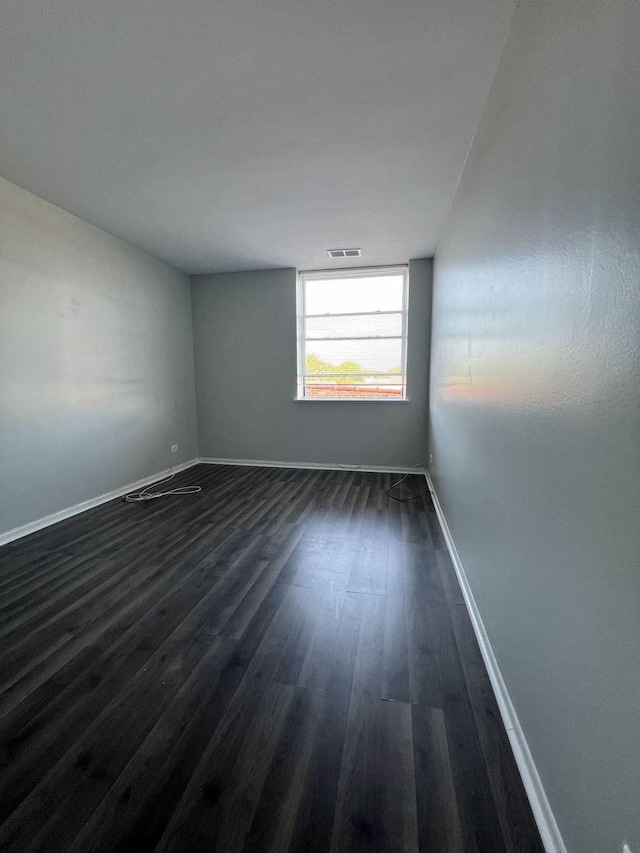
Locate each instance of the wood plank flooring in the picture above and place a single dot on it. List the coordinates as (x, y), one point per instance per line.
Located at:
(282, 662)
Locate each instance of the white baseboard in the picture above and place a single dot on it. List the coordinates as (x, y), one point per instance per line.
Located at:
(54, 518)
(545, 820)
(320, 466)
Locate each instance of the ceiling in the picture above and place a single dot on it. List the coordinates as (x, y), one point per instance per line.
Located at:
(247, 134)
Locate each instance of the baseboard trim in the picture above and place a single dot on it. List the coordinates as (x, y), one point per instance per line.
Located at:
(545, 820)
(76, 509)
(320, 466)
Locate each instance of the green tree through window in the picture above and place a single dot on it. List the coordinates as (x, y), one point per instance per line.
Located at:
(317, 367)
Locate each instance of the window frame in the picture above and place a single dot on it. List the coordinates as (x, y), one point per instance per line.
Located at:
(350, 273)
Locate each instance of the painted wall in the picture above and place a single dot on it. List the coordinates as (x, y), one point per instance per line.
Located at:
(96, 362)
(535, 421)
(245, 355)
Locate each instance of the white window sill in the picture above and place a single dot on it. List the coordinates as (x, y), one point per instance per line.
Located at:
(350, 400)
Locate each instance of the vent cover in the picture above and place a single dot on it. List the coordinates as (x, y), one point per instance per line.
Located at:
(344, 253)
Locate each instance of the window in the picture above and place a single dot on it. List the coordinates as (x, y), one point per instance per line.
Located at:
(352, 334)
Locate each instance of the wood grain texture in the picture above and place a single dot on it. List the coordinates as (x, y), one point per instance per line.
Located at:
(282, 662)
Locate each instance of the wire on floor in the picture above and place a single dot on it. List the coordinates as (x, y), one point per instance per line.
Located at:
(147, 495)
(401, 480)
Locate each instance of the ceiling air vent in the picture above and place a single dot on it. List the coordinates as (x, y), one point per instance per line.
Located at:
(344, 253)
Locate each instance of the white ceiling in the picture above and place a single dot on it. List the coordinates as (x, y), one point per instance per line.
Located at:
(246, 134)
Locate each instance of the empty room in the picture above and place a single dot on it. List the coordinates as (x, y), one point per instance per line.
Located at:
(320, 426)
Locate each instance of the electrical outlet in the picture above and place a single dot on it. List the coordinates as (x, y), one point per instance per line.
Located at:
(174, 448)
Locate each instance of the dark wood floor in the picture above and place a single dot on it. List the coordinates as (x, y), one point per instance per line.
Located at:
(282, 662)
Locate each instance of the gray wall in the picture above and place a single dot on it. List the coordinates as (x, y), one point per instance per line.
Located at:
(535, 421)
(96, 362)
(245, 355)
